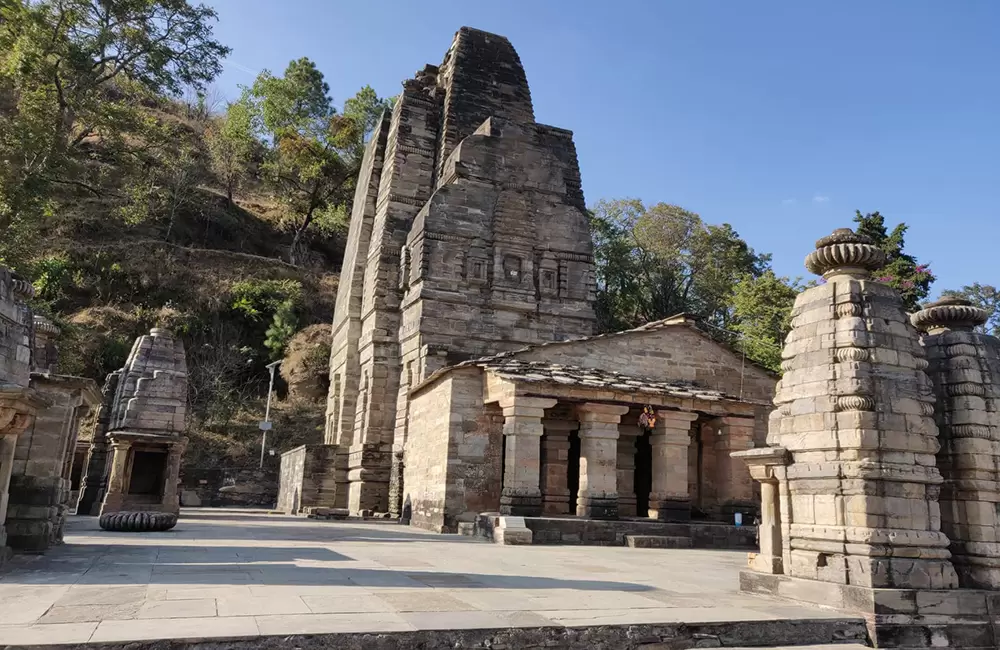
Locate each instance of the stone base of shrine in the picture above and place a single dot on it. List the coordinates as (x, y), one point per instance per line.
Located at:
(612, 532)
(904, 619)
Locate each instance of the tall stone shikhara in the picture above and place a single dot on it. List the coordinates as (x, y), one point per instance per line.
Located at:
(469, 237)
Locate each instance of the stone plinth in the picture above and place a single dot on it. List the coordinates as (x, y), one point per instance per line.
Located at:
(308, 479)
(965, 369)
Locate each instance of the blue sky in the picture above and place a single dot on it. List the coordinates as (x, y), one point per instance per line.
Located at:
(780, 118)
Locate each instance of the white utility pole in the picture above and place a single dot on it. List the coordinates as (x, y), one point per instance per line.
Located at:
(265, 425)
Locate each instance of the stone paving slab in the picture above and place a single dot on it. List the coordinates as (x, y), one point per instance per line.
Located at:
(234, 575)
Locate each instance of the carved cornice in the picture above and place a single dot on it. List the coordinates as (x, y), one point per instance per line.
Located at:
(949, 314)
(22, 288)
(46, 326)
(845, 252)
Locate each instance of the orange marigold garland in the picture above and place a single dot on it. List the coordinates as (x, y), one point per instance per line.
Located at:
(647, 420)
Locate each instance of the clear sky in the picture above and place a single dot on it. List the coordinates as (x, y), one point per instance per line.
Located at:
(780, 118)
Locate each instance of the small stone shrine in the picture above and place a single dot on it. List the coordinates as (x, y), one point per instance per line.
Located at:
(18, 401)
(41, 480)
(855, 481)
(145, 424)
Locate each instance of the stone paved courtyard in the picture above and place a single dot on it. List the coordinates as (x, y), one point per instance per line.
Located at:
(240, 574)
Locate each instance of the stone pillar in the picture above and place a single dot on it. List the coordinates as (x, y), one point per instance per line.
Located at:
(171, 499)
(669, 498)
(734, 486)
(555, 463)
(118, 477)
(767, 465)
(965, 369)
(7, 445)
(95, 478)
(522, 431)
(627, 435)
(598, 496)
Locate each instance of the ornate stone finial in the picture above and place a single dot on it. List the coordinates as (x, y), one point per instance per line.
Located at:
(22, 288)
(161, 331)
(844, 252)
(44, 325)
(950, 313)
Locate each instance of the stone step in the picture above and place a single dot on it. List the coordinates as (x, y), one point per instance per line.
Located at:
(822, 646)
(657, 541)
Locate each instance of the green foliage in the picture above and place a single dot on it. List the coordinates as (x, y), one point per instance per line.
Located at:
(260, 299)
(231, 146)
(283, 327)
(76, 72)
(984, 296)
(762, 310)
(902, 271)
(314, 154)
(663, 260)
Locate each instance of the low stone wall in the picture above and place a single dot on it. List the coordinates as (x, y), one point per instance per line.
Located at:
(308, 478)
(229, 488)
(593, 532)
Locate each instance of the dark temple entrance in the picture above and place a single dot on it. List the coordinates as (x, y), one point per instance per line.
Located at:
(643, 474)
(148, 472)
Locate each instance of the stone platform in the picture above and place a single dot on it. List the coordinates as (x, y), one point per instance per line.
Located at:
(253, 580)
(598, 532)
(899, 618)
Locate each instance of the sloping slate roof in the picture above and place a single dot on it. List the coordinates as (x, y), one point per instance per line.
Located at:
(554, 373)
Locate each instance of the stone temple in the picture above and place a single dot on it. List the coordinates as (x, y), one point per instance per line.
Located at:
(465, 376)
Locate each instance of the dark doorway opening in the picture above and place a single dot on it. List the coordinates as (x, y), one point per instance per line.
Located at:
(76, 473)
(573, 470)
(148, 471)
(643, 473)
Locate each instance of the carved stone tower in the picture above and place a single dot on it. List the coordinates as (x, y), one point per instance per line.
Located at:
(469, 237)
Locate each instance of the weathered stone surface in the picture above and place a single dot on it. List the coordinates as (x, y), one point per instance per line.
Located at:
(145, 419)
(968, 415)
(307, 479)
(18, 401)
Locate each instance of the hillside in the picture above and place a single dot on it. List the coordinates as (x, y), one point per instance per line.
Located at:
(212, 271)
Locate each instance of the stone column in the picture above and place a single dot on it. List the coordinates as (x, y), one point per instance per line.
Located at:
(118, 477)
(627, 435)
(555, 463)
(965, 367)
(95, 479)
(7, 445)
(767, 465)
(598, 496)
(669, 498)
(522, 431)
(733, 483)
(171, 500)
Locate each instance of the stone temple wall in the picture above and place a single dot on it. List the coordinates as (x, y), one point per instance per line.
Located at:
(469, 237)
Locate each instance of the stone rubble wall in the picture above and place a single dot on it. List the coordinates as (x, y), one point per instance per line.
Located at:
(307, 479)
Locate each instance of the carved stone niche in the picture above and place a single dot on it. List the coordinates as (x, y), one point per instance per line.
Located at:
(477, 266)
(512, 268)
(548, 276)
(767, 466)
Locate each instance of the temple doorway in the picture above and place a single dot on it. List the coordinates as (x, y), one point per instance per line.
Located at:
(573, 470)
(643, 477)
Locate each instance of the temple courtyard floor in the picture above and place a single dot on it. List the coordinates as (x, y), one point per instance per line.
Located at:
(242, 575)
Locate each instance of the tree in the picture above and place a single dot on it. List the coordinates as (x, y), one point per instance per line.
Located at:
(762, 311)
(657, 262)
(315, 153)
(74, 73)
(901, 271)
(231, 146)
(984, 296)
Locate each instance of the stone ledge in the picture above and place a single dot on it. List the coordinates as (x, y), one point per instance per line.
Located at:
(961, 619)
(666, 636)
(657, 541)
